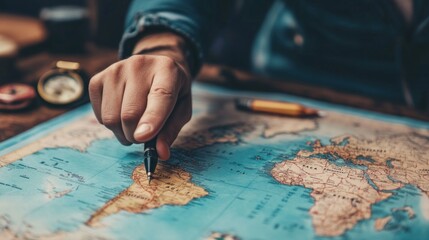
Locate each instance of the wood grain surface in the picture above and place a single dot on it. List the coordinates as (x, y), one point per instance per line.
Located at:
(31, 68)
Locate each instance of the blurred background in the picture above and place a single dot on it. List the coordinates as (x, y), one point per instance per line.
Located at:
(102, 23)
(36, 34)
(104, 17)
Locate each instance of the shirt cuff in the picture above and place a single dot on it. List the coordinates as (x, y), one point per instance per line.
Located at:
(175, 22)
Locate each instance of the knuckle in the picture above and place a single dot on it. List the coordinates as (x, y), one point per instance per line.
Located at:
(96, 80)
(167, 62)
(162, 92)
(94, 86)
(130, 115)
(110, 122)
(97, 77)
(136, 57)
(116, 68)
(140, 59)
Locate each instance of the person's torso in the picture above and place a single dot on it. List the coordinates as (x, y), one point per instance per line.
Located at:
(363, 46)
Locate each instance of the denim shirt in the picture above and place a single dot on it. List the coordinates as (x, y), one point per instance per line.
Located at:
(357, 46)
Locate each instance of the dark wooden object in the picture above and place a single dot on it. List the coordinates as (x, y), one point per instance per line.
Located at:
(31, 68)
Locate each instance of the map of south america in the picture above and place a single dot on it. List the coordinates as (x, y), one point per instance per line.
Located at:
(171, 186)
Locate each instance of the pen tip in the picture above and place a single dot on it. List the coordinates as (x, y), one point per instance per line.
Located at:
(149, 177)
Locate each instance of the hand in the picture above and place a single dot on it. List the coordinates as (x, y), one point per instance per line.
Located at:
(142, 96)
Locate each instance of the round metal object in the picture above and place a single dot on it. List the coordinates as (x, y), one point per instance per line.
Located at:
(61, 87)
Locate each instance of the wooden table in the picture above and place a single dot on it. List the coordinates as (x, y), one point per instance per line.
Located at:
(242, 80)
(95, 60)
(31, 68)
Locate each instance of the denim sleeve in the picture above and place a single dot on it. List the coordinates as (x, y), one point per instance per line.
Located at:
(192, 19)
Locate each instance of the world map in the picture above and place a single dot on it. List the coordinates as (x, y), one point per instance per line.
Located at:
(352, 174)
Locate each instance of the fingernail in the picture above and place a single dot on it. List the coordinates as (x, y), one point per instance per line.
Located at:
(142, 130)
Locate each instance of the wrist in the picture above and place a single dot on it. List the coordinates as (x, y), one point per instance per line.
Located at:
(166, 43)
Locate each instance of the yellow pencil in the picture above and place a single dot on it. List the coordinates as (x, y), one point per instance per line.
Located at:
(276, 107)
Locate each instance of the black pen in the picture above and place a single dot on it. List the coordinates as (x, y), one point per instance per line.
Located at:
(150, 158)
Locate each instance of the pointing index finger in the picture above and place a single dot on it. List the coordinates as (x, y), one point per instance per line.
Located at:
(161, 100)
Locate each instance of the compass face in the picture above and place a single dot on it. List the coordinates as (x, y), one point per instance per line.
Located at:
(61, 88)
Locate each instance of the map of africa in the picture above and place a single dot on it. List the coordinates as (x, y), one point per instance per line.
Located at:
(352, 174)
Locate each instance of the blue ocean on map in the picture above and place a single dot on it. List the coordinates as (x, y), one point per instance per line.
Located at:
(56, 190)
